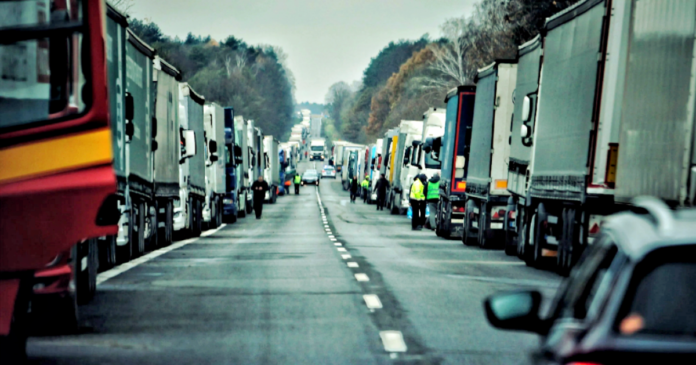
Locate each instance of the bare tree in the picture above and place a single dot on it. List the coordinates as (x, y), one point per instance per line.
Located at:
(123, 5)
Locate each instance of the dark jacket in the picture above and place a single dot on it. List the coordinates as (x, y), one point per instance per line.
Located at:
(382, 186)
(354, 185)
(260, 189)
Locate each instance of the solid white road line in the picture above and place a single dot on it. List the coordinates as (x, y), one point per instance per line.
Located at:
(372, 301)
(106, 275)
(361, 277)
(353, 264)
(346, 256)
(341, 249)
(393, 341)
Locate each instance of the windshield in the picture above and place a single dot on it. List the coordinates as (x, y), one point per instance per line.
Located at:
(310, 173)
(317, 148)
(41, 78)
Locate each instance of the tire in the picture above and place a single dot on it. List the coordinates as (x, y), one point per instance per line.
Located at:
(537, 258)
(249, 207)
(564, 259)
(13, 346)
(467, 238)
(107, 253)
(86, 278)
(241, 213)
(445, 215)
(510, 237)
(169, 223)
(393, 209)
(141, 230)
(153, 241)
(197, 218)
(484, 232)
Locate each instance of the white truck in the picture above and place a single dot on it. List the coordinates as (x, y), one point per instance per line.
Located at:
(433, 128)
(214, 134)
(317, 146)
(376, 163)
(401, 169)
(272, 171)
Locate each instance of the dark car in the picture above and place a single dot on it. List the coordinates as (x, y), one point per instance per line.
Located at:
(310, 177)
(631, 299)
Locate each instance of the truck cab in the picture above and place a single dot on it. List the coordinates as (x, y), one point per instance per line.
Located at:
(398, 198)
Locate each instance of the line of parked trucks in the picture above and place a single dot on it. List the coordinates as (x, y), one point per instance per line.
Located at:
(596, 110)
(170, 162)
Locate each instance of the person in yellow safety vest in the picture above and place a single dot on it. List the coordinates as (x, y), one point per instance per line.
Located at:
(417, 203)
(297, 180)
(365, 184)
(432, 198)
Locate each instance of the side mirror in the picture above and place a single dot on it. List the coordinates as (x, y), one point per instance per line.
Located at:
(213, 158)
(515, 310)
(154, 127)
(189, 144)
(212, 147)
(130, 108)
(525, 131)
(428, 145)
(154, 146)
(526, 109)
(415, 143)
(238, 158)
(130, 129)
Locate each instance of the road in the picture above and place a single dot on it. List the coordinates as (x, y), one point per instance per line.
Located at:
(317, 280)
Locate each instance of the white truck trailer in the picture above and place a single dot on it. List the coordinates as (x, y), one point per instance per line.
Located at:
(214, 128)
(401, 169)
(272, 171)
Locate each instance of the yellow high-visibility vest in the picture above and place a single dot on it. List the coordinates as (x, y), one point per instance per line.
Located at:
(417, 190)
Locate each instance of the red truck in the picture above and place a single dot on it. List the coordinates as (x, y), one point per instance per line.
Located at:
(56, 175)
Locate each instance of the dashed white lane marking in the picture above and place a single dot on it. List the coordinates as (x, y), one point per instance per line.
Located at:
(393, 341)
(333, 239)
(106, 275)
(361, 277)
(332, 236)
(372, 301)
(353, 264)
(341, 249)
(326, 226)
(346, 256)
(338, 244)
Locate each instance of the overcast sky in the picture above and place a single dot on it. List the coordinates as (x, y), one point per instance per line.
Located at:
(326, 40)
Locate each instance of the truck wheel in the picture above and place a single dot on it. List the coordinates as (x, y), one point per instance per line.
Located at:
(249, 207)
(197, 218)
(13, 346)
(539, 219)
(152, 242)
(86, 268)
(564, 260)
(468, 238)
(445, 221)
(241, 212)
(107, 253)
(141, 229)
(510, 236)
(393, 209)
(169, 223)
(484, 231)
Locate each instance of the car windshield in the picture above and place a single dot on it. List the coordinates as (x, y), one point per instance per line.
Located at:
(328, 168)
(662, 301)
(310, 173)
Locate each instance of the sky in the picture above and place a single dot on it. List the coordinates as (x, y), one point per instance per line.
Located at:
(326, 40)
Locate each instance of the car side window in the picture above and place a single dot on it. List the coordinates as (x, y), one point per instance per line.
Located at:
(576, 295)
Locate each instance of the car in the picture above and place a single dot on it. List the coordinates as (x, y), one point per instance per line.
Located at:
(328, 171)
(310, 177)
(630, 299)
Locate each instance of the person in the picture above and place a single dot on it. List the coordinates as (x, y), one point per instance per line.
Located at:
(381, 189)
(353, 189)
(432, 197)
(260, 188)
(365, 188)
(297, 181)
(417, 203)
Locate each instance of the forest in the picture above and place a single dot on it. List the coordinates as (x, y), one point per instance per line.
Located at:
(407, 77)
(254, 80)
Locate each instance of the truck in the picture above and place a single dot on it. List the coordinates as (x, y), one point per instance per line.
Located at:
(452, 150)
(572, 173)
(433, 127)
(337, 155)
(192, 160)
(351, 162)
(317, 147)
(215, 189)
(251, 173)
(401, 172)
(233, 169)
(63, 179)
(271, 172)
(166, 149)
(376, 164)
(242, 169)
(486, 182)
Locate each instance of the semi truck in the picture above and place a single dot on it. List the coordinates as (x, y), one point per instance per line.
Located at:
(192, 160)
(338, 154)
(233, 167)
(401, 172)
(351, 163)
(574, 138)
(486, 182)
(317, 149)
(433, 127)
(63, 179)
(215, 189)
(452, 150)
(376, 165)
(271, 172)
(243, 169)
(166, 149)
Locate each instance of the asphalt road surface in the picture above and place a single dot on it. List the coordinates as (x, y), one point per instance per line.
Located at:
(317, 280)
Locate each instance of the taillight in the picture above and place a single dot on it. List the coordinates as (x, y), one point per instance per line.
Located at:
(500, 214)
(458, 209)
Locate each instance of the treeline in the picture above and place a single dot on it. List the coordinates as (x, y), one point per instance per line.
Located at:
(407, 77)
(252, 79)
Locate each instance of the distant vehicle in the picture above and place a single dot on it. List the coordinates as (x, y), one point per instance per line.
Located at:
(630, 299)
(328, 171)
(316, 147)
(310, 177)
